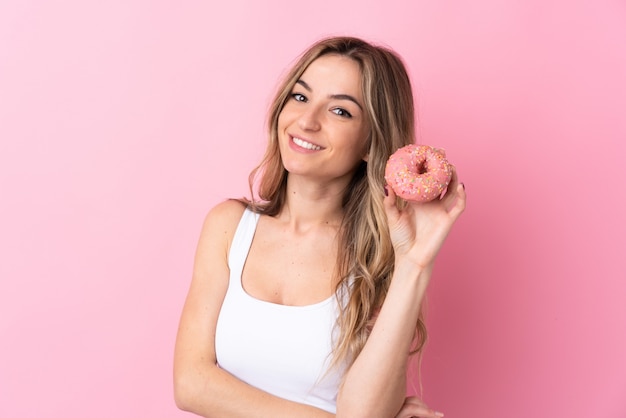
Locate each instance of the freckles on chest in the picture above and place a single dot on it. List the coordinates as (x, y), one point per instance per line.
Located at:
(295, 272)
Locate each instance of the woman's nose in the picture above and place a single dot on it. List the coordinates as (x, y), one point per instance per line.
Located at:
(310, 119)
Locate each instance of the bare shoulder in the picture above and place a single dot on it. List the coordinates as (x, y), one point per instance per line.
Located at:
(219, 228)
(228, 207)
(211, 272)
(224, 217)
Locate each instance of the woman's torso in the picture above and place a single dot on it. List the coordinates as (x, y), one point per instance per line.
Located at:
(284, 350)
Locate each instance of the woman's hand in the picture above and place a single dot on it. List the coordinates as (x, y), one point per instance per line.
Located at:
(419, 229)
(414, 408)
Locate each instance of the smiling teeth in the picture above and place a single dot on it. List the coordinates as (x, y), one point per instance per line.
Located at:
(306, 145)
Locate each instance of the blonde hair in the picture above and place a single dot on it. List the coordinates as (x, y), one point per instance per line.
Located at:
(365, 258)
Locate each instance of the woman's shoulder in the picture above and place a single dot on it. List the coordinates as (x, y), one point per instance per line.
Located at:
(225, 214)
(219, 227)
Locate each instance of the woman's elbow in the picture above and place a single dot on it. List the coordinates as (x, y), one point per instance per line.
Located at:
(183, 393)
(188, 390)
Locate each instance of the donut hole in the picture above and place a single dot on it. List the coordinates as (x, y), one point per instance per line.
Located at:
(422, 167)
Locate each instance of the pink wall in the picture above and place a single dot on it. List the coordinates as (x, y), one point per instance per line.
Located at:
(122, 122)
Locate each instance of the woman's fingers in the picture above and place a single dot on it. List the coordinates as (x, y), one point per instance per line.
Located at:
(414, 408)
(414, 400)
(390, 204)
(459, 205)
(425, 222)
(455, 198)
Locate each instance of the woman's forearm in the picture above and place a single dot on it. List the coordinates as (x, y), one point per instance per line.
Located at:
(213, 392)
(375, 385)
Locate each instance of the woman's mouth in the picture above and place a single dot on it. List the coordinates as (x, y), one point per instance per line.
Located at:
(305, 144)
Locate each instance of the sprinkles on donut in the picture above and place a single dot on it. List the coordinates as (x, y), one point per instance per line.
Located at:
(419, 173)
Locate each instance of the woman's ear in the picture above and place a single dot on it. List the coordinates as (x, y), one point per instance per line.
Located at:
(366, 157)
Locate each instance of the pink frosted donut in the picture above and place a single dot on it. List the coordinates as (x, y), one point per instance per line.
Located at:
(418, 172)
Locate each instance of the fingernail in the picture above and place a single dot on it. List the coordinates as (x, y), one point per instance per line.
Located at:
(386, 191)
(439, 414)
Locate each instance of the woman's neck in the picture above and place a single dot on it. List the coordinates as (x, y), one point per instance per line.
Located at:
(309, 204)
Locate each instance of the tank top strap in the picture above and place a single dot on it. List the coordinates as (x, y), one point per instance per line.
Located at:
(242, 240)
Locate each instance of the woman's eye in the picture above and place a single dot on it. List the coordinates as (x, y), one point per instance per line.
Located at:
(342, 112)
(299, 97)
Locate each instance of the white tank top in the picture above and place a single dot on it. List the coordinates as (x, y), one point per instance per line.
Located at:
(283, 350)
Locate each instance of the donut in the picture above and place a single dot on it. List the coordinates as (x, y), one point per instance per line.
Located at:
(418, 172)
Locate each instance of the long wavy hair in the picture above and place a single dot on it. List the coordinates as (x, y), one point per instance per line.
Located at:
(365, 258)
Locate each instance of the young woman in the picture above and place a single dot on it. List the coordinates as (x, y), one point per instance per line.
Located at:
(306, 301)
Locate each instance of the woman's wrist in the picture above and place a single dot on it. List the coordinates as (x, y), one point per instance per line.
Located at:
(410, 267)
(409, 271)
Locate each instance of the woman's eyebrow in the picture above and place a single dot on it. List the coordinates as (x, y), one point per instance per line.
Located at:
(331, 96)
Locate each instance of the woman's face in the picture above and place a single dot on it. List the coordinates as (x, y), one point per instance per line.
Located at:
(322, 128)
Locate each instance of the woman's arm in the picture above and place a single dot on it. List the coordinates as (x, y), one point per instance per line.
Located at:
(200, 386)
(375, 385)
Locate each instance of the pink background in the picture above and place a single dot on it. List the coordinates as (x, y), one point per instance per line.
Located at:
(122, 122)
